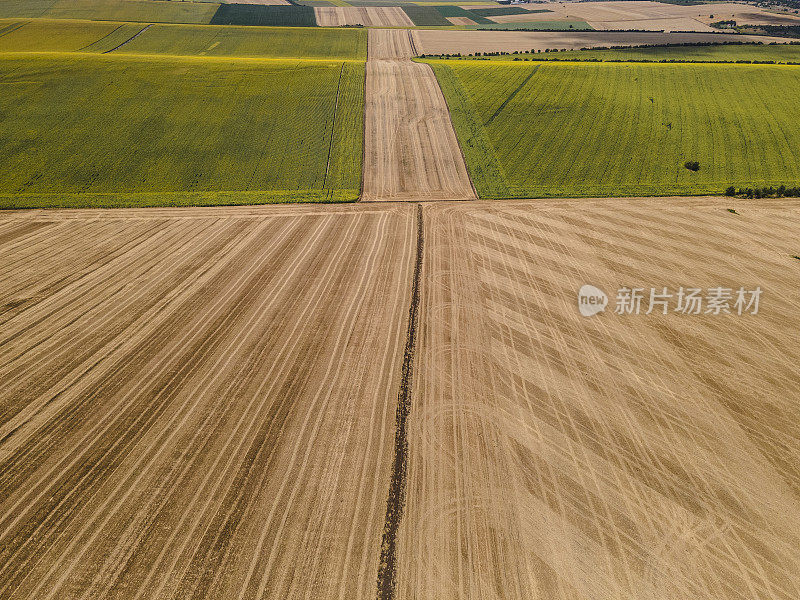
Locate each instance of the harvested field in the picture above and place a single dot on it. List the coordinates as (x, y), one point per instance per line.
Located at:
(658, 16)
(765, 18)
(565, 25)
(560, 457)
(264, 2)
(199, 403)
(392, 44)
(465, 42)
(378, 16)
(202, 403)
(410, 149)
(461, 21)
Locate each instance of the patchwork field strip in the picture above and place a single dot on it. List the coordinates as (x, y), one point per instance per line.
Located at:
(199, 403)
(656, 16)
(377, 16)
(176, 40)
(410, 149)
(452, 41)
(556, 456)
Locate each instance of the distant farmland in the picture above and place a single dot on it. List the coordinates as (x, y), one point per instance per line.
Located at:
(259, 14)
(85, 130)
(698, 53)
(278, 42)
(605, 129)
(51, 35)
(153, 11)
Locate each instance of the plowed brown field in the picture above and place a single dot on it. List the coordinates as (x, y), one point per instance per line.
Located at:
(410, 148)
(561, 457)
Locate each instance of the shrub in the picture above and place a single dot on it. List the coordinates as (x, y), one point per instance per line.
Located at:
(692, 165)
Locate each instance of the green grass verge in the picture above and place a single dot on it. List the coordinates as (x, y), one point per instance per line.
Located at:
(698, 53)
(194, 130)
(258, 14)
(152, 199)
(145, 11)
(608, 129)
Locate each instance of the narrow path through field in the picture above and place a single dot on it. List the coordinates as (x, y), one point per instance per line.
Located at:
(396, 501)
(410, 148)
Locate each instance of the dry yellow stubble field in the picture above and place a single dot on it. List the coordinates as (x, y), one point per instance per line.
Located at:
(199, 403)
(557, 456)
(204, 403)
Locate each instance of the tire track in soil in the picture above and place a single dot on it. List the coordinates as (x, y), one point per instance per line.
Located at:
(396, 501)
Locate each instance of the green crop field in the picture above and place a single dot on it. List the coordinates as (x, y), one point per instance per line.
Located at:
(425, 16)
(700, 53)
(278, 42)
(458, 11)
(56, 36)
(144, 11)
(46, 35)
(110, 130)
(257, 14)
(606, 129)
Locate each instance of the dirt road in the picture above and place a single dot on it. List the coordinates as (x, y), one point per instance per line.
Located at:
(411, 150)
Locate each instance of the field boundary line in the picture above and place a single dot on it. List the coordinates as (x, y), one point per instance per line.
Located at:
(102, 38)
(141, 31)
(364, 127)
(395, 503)
(512, 95)
(411, 42)
(333, 127)
(13, 29)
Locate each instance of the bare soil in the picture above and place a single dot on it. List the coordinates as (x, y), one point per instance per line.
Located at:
(410, 149)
